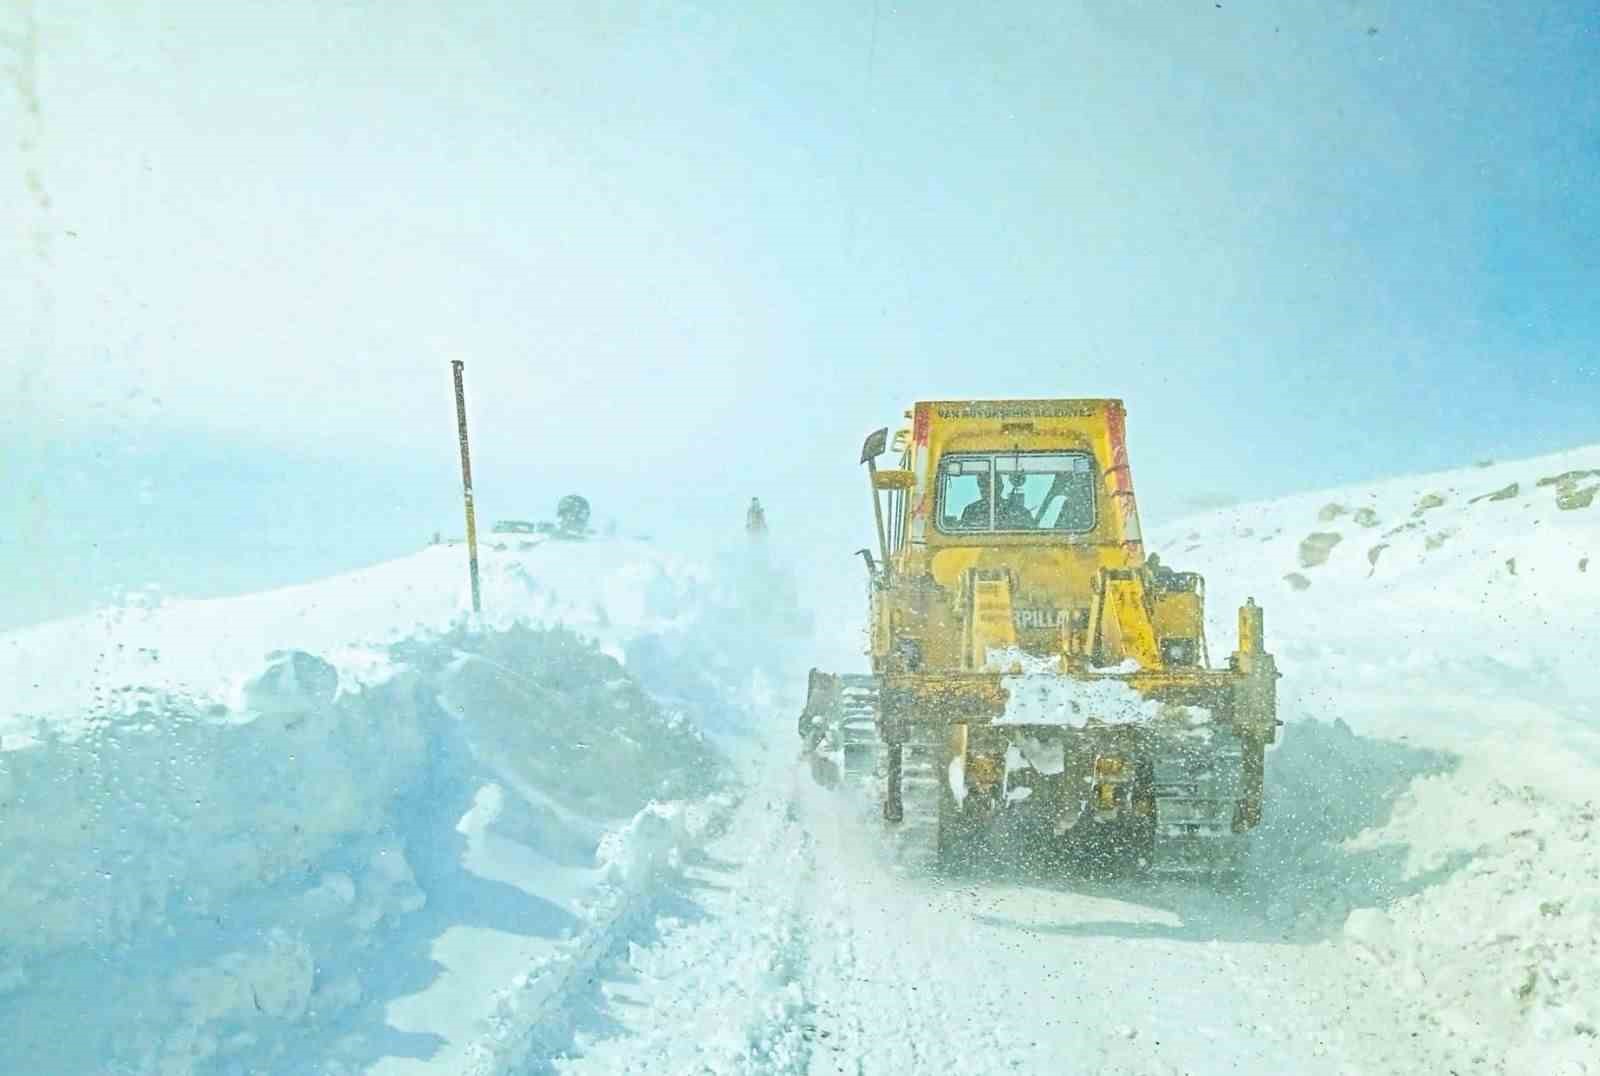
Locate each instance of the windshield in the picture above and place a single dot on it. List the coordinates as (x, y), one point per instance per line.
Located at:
(1017, 491)
(565, 538)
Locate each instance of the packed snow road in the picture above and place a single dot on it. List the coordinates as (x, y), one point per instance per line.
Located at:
(800, 949)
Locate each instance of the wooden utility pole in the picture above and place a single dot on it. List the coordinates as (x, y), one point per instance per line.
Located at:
(466, 483)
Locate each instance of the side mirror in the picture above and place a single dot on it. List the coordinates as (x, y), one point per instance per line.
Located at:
(875, 445)
(871, 449)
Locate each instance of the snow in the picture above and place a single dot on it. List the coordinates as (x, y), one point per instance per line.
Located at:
(351, 828)
(1045, 698)
(1448, 619)
(251, 857)
(957, 776)
(1037, 693)
(614, 591)
(1030, 753)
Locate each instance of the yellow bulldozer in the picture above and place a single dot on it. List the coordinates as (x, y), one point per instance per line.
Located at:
(1039, 685)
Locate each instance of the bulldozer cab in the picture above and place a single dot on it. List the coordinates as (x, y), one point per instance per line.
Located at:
(1027, 502)
(1012, 472)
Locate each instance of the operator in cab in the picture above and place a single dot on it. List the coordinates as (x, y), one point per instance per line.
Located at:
(1010, 514)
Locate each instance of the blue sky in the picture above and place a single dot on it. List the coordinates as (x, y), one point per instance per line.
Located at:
(694, 251)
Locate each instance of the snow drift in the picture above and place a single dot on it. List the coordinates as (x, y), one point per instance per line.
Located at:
(358, 859)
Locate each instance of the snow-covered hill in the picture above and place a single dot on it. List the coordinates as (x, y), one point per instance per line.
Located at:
(1449, 621)
(1486, 562)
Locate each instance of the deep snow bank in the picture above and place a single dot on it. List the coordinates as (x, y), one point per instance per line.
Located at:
(221, 873)
(1449, 620)
(215, 865)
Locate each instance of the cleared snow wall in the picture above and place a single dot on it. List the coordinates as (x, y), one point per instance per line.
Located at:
(198, 887)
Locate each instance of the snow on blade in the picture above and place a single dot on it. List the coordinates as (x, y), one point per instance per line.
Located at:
(1038, 693)
(958, 778)
(1028, 753)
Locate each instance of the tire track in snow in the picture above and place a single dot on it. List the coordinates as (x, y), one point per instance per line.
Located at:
(806, 954)
(879, 962)
(723, 989)
(985, 976)
(543, 1006)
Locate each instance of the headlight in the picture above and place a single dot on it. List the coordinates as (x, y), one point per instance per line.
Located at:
(1180, 651)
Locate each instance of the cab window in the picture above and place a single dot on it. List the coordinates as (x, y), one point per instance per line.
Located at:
(1017, 492)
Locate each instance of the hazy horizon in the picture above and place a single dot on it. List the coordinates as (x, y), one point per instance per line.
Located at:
(692, 252)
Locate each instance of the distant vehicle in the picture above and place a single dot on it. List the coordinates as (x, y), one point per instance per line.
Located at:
(571, 524)
(519, 527)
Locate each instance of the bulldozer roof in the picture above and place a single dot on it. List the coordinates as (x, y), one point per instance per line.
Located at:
(1029, 408)
(1046, 422)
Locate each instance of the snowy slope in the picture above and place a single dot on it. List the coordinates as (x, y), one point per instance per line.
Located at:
(1491, 562)
(1453, 615)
